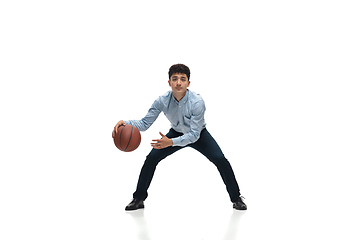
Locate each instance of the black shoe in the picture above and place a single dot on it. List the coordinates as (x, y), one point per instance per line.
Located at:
(135, 204)
(239, 204)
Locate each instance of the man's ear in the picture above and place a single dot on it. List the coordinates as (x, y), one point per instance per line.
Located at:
(189, 84)
(169, 83)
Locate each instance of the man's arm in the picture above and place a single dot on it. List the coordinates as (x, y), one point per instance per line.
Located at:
(149, 119)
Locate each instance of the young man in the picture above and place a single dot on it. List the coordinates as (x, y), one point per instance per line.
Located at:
(185, 111)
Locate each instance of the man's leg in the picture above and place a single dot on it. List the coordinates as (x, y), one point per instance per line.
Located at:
(148, 169)
(210, 149)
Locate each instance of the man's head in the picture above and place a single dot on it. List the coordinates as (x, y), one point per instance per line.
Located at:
(179, 68)
(179, 75)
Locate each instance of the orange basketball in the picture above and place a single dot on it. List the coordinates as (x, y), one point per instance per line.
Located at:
(127, 138)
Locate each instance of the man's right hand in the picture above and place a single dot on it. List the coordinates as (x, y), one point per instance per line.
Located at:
(120, 123)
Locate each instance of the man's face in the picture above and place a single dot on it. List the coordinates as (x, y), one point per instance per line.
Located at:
(179, 83)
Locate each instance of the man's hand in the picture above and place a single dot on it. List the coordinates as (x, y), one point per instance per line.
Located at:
(162, 143)
(120, 123)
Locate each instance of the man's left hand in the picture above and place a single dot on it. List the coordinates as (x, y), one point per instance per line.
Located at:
(164, 142)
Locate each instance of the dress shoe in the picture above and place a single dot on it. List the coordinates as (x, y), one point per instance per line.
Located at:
(239, 204)
(135, 204)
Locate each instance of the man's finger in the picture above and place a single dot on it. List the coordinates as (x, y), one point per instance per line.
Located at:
(120, 123)
(162, 134)
(155, 145)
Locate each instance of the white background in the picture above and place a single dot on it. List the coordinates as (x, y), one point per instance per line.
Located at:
(280, 80)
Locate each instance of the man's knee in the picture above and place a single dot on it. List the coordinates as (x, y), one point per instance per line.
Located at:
(153, 158)
(219, 160)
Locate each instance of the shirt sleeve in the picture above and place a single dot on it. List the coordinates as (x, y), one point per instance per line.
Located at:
(197, 121)
(150, 117)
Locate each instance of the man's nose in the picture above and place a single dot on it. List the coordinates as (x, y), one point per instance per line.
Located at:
(178, 82)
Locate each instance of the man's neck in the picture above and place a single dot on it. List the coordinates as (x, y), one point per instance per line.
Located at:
(179, 97)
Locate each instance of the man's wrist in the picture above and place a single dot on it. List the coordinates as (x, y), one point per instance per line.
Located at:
(175, 141)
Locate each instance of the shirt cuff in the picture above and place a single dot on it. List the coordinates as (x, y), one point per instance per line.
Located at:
(176, 141)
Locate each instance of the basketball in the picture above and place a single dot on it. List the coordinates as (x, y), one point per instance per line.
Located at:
(127, 138)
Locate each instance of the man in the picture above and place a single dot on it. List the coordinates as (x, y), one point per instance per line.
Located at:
(185, 111)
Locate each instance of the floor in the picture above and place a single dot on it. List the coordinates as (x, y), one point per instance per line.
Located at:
(185, 224)
(269, 220)
(86, 199)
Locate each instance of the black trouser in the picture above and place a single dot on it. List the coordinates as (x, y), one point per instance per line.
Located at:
(205, 145)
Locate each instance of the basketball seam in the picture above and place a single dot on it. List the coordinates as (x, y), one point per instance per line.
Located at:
(132, 128)
(136, 146)
(120, 139)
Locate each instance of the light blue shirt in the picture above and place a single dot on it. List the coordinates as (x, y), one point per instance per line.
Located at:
(185, 116)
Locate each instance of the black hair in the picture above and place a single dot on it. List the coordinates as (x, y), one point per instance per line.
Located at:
(179, 68)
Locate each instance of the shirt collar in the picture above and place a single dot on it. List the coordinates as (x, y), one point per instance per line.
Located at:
(183, 100)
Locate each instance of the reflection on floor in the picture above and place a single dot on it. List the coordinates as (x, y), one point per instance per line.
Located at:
(181, 225)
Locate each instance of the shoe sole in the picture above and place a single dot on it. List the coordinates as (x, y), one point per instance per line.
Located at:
(245, 208)
(133, 209)
(241, 209)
